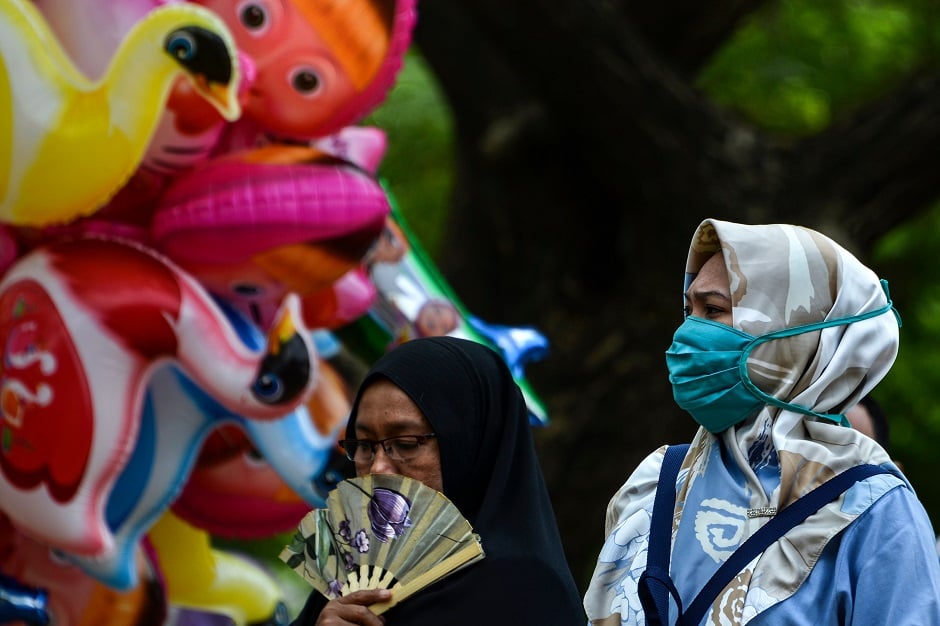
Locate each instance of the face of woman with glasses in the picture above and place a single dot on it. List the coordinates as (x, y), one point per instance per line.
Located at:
(385, 414)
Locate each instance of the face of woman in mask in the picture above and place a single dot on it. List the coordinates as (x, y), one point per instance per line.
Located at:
(709, 295)
(708, 360)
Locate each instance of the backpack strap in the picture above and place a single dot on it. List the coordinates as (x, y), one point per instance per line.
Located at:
(655, 585)
(778, 526)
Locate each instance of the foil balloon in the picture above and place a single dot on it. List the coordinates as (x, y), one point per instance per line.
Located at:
(91, 32)
(212, 581)
(519, 345)
(9, 247)
(310, 68)
(63, 595)
(319, 65)
(51, 112)
(345, 300)
(83, 325)
(254, 225)
(177, 419)
(239, 496)
(22, 603)
(242, 490)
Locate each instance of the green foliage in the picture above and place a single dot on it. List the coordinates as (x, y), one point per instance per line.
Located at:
(907, 257)
(419, 164)
(797, 65)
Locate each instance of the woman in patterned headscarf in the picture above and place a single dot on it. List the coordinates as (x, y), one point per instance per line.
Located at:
(784, 331)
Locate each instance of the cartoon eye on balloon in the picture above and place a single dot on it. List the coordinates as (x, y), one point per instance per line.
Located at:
(305, 81)
(254, 17)
(181, 45)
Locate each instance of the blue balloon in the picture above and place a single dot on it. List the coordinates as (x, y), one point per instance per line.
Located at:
(19, 602)
(518, 344)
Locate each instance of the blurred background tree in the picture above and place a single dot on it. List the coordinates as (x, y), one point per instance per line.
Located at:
(555, 157)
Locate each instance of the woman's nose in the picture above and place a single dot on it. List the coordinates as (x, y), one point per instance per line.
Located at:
(381, 464)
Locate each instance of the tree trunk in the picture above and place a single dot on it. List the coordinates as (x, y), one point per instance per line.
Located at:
(586, 157)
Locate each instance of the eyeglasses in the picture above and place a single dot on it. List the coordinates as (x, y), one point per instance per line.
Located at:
(403, 448)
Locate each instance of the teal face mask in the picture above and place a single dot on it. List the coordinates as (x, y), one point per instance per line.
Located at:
(707, 364)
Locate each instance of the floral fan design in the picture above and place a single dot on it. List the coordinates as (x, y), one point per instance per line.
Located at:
(381, 531)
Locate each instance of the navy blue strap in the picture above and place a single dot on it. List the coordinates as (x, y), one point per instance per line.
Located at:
(655, 585)
(769, 533)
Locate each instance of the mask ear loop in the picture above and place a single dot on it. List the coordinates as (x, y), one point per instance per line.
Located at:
(897, 315)
(837, 418)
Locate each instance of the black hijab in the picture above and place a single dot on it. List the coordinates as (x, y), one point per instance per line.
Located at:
(491, 473)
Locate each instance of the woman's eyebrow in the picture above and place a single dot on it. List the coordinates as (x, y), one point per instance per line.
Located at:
(701, 295)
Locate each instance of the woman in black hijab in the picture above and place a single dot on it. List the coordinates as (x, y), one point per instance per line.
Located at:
(482, 456)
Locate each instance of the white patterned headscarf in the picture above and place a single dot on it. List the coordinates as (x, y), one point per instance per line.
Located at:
(781, 276)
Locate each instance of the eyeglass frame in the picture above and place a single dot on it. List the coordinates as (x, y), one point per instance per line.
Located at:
(374, 445)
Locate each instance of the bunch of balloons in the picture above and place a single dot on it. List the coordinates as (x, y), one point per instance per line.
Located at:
(192, 234)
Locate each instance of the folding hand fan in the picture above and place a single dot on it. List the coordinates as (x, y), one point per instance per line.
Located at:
(381, 531)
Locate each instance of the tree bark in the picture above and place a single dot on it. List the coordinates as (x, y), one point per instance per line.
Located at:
(586, 157)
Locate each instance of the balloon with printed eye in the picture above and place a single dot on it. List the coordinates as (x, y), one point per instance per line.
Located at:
(58, 111)
(83, 325)
(319, 65)
(257, 480)
(91, 31)
(267, 493)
